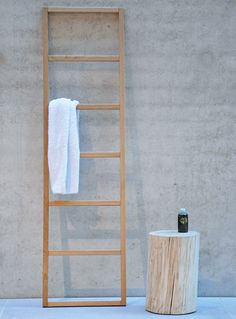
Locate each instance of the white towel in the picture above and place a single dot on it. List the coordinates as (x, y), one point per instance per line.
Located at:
(63, 146)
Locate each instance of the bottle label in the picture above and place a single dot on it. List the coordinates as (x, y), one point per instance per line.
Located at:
(183, 220)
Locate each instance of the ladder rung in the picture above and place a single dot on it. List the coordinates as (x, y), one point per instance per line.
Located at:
(87, 252)
(82, 10)
(99, 154)
(84, 203)
(84, 58)
(98, 106)
(85, 303)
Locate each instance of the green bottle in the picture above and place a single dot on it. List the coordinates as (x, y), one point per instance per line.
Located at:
(182, 221)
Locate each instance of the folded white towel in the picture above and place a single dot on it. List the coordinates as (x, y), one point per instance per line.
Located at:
(63, 146)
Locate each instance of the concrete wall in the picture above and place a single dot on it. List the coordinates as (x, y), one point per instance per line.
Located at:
(180, 141)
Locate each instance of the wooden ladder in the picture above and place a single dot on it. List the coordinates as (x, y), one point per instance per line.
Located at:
(121, 155)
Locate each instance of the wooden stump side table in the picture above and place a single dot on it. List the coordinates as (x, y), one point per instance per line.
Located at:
(172, 279)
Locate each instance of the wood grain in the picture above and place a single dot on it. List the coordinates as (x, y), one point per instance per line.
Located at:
(121, 155)
(87, 252)
(82, 10)
(84, 58)
(45, 159)
(111, 106)
(99, 154)
(84, 203)
(172, 279)
(85, 303)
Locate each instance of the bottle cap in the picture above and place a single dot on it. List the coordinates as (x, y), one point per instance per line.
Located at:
(183, 211)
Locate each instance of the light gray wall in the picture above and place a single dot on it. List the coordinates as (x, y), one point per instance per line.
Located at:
(180, 141)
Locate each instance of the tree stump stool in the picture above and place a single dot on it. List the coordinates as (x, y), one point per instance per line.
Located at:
(172, 279)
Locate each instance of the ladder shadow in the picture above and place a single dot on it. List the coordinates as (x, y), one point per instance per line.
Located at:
(81, 230)
(135, 183)
(83, 224)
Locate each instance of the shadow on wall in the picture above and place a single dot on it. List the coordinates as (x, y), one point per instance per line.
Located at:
(88, 225)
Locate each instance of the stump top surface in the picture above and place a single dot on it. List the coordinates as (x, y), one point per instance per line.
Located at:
(173, 233)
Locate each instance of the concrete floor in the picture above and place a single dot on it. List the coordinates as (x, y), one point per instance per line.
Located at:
(217, 308)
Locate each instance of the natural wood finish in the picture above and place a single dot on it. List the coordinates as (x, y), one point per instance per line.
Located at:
(82, 10)
(85, 303)
(84, 58)
(84, 203)
(172, 272)
(88, 252)
(122, 158)
(120, 154)
(45, 160)
(98, 107)
(99, 154)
